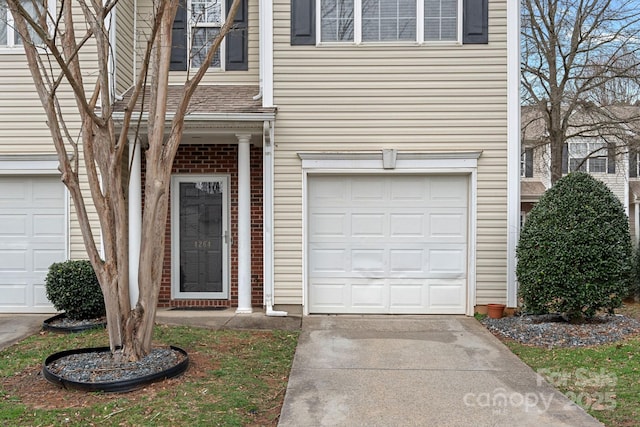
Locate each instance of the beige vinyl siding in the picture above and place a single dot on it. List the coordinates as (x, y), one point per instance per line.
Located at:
(408, 97)
(250, 77)
(23, 128)
(124, 45)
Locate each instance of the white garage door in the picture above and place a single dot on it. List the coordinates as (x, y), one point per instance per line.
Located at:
(387, 244)
(32, 236)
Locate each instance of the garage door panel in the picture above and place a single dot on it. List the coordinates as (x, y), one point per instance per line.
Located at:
(328, 225)
(367, 190)
(442, 294)
(13, 225)
(327, 192)
(40, 299)
(47, 191)
(383, 241)
(14, 260)
(452, 190)
(408, 225)
(408, 296)
(330, 295)
(372, 294)
(43, 258)
(14, 295)
(368, 225)
(368, 260)
(48, 225)
(13, 192)
(407, 261)
(408, 188)
(447, 261)
(328, 260)
(448, 226)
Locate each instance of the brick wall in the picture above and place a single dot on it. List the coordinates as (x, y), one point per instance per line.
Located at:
(221, 160)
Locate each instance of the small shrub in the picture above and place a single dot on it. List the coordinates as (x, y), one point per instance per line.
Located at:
(574, 254)
(72, 287)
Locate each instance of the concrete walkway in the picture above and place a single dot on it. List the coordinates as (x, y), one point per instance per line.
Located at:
(415, 371)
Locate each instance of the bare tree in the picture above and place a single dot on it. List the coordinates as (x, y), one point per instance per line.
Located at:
(54, 44)
(580, 65)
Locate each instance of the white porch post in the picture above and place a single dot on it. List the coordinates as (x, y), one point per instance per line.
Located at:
(244, 224)
(135, 220)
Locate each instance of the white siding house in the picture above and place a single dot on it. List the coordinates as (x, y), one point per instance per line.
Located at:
(350, 156)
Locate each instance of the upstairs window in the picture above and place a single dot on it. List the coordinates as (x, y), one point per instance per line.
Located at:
(196, 25)
(369, 21)
(526, 163)
(9, 36)
(589, 157)
(205, 22)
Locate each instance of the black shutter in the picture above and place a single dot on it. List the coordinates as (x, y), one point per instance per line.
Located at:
(633, 163)
(565, 158)
(528, 162)
(303, 22)
(475, 22)
(611, 159)
(179, 39)
(237, 39)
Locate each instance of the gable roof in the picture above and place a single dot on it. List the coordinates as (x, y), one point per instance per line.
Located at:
(615, 121)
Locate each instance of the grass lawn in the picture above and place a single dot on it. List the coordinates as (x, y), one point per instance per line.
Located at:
(605, 380)
(235, 378)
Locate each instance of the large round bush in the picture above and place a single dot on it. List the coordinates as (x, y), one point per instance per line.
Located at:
(574, 254)
(72, 287)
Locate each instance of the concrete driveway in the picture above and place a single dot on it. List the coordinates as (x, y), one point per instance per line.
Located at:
(415, 371)
(14, 327)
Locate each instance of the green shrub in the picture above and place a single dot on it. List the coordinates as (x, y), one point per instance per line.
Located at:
(72, 287)
(574, 254)
(634, 289)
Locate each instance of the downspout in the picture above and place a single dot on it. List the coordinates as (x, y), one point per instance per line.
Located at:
(266, 94)
(267, 188)
(513, 147)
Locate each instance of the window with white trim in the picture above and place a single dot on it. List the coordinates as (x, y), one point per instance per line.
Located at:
(589, 157)
(9, 36)
(370, 21)
(205, 20)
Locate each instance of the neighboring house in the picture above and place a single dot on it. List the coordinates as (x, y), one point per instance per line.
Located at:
(340, 157)
(610, 157)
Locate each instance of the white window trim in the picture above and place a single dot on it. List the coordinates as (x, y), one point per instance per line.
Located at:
(11, 47)
(357, 29)
(395, 162)
(192, 25)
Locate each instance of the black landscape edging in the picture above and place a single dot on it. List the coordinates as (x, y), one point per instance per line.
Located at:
(112, 386)
(47, 325)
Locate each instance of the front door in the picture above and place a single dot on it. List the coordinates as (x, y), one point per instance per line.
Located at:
(199, 237)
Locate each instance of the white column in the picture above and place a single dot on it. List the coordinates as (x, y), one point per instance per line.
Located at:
(135, 220)
(244, 224)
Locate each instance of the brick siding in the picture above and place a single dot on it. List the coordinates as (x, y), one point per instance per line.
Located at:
(221, 159)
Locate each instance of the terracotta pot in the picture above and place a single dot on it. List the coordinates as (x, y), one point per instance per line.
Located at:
(495, 311)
